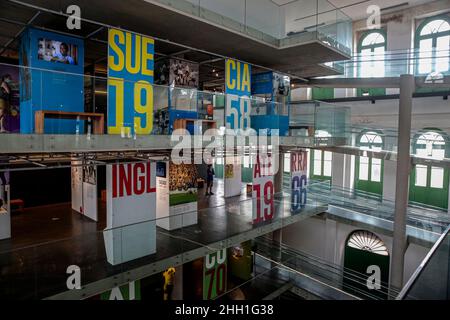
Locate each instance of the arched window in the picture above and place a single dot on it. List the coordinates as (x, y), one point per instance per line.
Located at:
(371, 48)
(365, 249)
(321, 160)
(367, 241)
(429, 184)
(432, 43)
(369, 170)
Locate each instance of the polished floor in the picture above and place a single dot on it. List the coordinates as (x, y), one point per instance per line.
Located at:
(47, 240)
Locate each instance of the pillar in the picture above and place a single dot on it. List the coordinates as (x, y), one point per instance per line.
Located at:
(407, 86)
(338, 170)
(341, 175)
(389, 183)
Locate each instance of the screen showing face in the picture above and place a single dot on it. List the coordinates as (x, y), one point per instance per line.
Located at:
(57, 51)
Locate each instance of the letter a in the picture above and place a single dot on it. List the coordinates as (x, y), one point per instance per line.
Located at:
(74, 281)
(74, 20)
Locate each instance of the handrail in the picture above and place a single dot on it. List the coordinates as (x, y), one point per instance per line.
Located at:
(328, 269)
(423, 264)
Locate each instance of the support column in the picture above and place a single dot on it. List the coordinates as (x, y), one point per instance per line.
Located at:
(341, 176)
(407, 86)
(338, 170)
(278, 183)
(178, 284)
(389, 183)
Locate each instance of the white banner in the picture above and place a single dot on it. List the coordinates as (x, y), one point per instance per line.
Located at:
(131, 211)
(263, 193)
(84, 188)
(299, 179)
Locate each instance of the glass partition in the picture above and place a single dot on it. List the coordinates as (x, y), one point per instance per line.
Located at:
(396, 63)
(427, 222)
(311, 117)
(431, 279)
(103, 110)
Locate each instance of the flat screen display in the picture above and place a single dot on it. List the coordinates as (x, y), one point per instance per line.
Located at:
(57, 51)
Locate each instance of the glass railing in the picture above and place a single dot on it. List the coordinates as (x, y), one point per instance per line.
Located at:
(44, 102)
(390, 141)
(433, 64)
(313, 117)
(278, 268)
(424, 219)
(292, 23)
(431, 280)
(324, 272)
(39, 270)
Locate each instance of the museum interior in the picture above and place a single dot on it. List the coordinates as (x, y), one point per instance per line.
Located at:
(224, 150)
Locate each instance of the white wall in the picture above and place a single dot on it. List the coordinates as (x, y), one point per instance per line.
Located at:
(426, 112)
(401, 25)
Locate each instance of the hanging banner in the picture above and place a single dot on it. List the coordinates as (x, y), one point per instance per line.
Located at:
(238, 90)
(299, 179)
(215, 275)
(90, 199)
(84, 188)
(131, 211)
(263, 193)
(130, 291)
(237, 117)
(130, 79)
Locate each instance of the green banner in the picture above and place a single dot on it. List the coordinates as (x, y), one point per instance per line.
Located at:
(130, 291)
(215, 275)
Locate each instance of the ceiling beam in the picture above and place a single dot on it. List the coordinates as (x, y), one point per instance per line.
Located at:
(20, 32)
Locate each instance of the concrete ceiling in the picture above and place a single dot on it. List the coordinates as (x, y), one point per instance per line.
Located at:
(150, 19)
(356, 9)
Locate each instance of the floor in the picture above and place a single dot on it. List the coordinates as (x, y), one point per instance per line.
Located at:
(46, 240)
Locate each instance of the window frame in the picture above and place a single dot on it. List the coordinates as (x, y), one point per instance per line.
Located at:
(434, 36)
(360, 48)
(429, 168)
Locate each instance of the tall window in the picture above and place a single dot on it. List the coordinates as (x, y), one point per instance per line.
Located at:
(433, 43)
(321, 160)
(370, 168)
(429, 184)
(371, 48)
(369, 171)
(430, 145)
